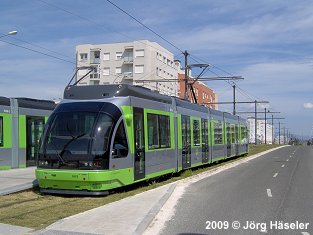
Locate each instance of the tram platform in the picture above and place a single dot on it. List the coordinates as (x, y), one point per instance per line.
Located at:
(15, 180)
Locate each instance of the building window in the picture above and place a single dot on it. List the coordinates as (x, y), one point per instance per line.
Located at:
(159, 56)
(119, 55)
(118, 70)
(139, 68)
(1, 131)
(95, 57)
(106, 56)
(140, 53)
(83, 56)
(106, 71)
(158, 131)
(196, 132)
(95, 73)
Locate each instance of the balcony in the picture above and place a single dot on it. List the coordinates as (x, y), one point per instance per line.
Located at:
(128, 59)
(128, 75)
(95, 57)
(95, 61)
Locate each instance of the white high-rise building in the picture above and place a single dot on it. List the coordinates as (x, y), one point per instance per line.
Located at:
(260, 131)
(135, 63)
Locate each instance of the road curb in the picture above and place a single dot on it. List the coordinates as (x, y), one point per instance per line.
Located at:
(154, 211)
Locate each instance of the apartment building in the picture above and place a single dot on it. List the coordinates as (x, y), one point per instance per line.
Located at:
(261, 128)
(141, 63)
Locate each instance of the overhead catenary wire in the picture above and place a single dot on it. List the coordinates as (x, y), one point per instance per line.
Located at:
(100, 26)
(138, 21)
(38, 52)
(41, 47)
(145, 26)
(231, 83)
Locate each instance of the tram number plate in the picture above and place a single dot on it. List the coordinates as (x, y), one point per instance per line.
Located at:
(68, 176)
(79, 177)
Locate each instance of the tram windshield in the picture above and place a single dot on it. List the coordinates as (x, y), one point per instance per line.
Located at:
(76, 140)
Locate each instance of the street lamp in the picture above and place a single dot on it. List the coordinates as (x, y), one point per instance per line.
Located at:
(9, 33)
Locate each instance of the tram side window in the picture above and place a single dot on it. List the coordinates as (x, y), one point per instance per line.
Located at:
(1, 132)
(236, 134)
(229, 133)
(120, 147)
(205, 135)
(244, 134)
(233, 138)
(158, 131)
(164, 127)
(153, 131)
(218, 133)
(196, 133)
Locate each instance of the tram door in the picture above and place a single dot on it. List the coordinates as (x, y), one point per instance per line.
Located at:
(229, 137)
(139, 166)
(205, 141)
(186, 142)
(34, 128)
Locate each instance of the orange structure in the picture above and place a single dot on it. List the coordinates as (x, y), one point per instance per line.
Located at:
(203, 93)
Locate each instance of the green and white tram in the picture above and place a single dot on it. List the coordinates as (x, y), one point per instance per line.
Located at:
(106, 136)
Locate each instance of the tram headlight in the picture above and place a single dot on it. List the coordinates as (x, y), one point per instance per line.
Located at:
(42, 163)
(86, 163)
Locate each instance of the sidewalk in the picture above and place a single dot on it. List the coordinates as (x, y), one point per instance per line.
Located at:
(7, 229)
(15, 180)
(12, 181)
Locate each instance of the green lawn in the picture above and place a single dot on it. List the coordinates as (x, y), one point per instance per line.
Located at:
(34, 210)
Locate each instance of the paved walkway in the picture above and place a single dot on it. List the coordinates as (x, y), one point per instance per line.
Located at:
(15, 180)
(128, 216)
(6, 229)
(12, 181)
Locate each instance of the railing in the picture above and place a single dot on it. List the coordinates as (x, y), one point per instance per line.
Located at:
(128, 75)
(128, 60)
(95, 61)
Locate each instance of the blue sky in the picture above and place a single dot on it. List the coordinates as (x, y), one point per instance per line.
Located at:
(269, 43)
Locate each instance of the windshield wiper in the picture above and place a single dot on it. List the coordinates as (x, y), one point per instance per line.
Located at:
(68, 143)
(57, 153)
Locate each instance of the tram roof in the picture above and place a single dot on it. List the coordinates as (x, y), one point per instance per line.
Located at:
(4, 101)
(36, 104)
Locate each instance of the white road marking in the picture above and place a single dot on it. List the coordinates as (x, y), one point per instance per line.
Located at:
(274, 176)
(305, 233)
(283, 165)
(287, 160)
(269, 192)
(290, 156)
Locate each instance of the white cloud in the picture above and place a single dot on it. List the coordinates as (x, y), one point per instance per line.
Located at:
(308, 105)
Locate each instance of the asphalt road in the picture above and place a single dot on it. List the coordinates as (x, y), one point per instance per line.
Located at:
(273, 194)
